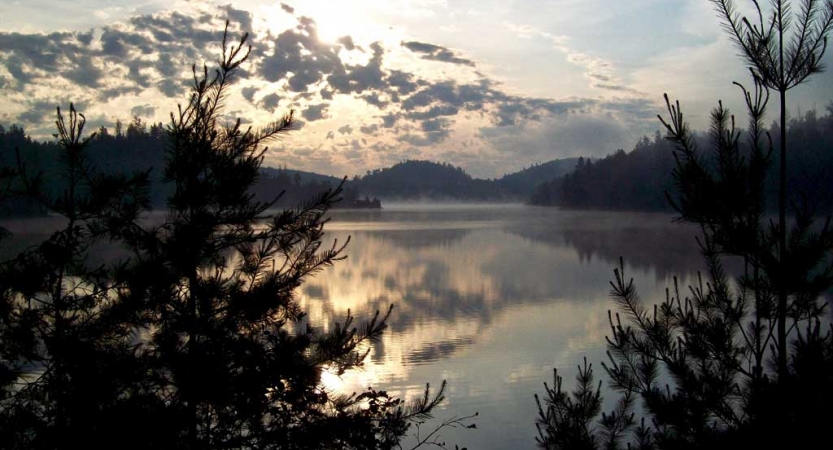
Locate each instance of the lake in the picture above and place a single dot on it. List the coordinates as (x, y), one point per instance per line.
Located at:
(491, 299)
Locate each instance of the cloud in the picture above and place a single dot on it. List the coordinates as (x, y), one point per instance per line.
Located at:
(315, 112)
(347, 43)
(143, 111)
(242, 18)
(87, 74)
(300, 53)
(270, 102)
(249, 93)
(406, 106)
(369, 129)
(170, 87)
(38, 111)
(436, 53)
(567, 136)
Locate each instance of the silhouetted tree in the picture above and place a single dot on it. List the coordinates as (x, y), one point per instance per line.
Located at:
(781, 61)
(198, 341)
(235, 363)
(701, 364)
(66, 353)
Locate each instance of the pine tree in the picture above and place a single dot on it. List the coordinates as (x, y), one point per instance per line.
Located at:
(197, 341)
(702, 364)
(65, 348)
(235, 365)
(780, 61)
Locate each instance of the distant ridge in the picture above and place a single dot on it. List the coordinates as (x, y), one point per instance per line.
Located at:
(426, 180)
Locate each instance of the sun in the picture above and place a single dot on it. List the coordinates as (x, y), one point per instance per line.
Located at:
(333, 21)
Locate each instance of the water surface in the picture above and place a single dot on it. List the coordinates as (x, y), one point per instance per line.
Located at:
(491, 299)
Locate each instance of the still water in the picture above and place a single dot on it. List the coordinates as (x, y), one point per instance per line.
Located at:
(491, 299)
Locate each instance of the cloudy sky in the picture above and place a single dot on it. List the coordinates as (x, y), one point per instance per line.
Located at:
(491, 86)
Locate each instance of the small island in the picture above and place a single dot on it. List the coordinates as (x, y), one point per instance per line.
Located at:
(360, 203)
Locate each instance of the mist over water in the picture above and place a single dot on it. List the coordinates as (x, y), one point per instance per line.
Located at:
(490, 298)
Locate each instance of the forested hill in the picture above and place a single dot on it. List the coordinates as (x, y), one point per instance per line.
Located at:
(417, 180)
(639, 179)
(140, 147)
(526, 181)
(132, 149)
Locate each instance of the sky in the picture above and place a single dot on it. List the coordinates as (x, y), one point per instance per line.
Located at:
(489, 86)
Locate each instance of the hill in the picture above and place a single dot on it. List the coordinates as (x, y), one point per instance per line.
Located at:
(419, 180)
(139, 147)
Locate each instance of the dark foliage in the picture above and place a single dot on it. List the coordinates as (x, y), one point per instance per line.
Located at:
(638, 180)
(197, 341)
(738, 361)
(622, 181)
(139, 148)
(703, 366)
(66, 356)
(423, 180)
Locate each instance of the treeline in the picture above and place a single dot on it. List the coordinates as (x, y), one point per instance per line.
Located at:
(418, 180)
(136, 148)
(139, 147)
(639, 179)
(622, 181)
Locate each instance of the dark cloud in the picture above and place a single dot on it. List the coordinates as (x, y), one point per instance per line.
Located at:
(403, 82)
(143, 111)
(358, 78)
(138, 73)
(315, 112)
(436, 53)
(155, 51)
(369, 129)
(17, 67)
(114, 92)
(389, 120)
(166, 66)
(433, 125)
(270, 102)
(347, 42)
(242, 18)
(249, 93)
(299, 52)
(37, 112)
(45, 52)
(117, 43)
(375, 100)
(287, 8)
(434, 111)
(434, 131)
(170, 87)
(617, 88)
(176, 27)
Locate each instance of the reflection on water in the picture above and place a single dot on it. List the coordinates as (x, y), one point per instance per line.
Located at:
(490, 298)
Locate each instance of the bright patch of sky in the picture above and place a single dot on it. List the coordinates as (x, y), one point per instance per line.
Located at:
(492, 86)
